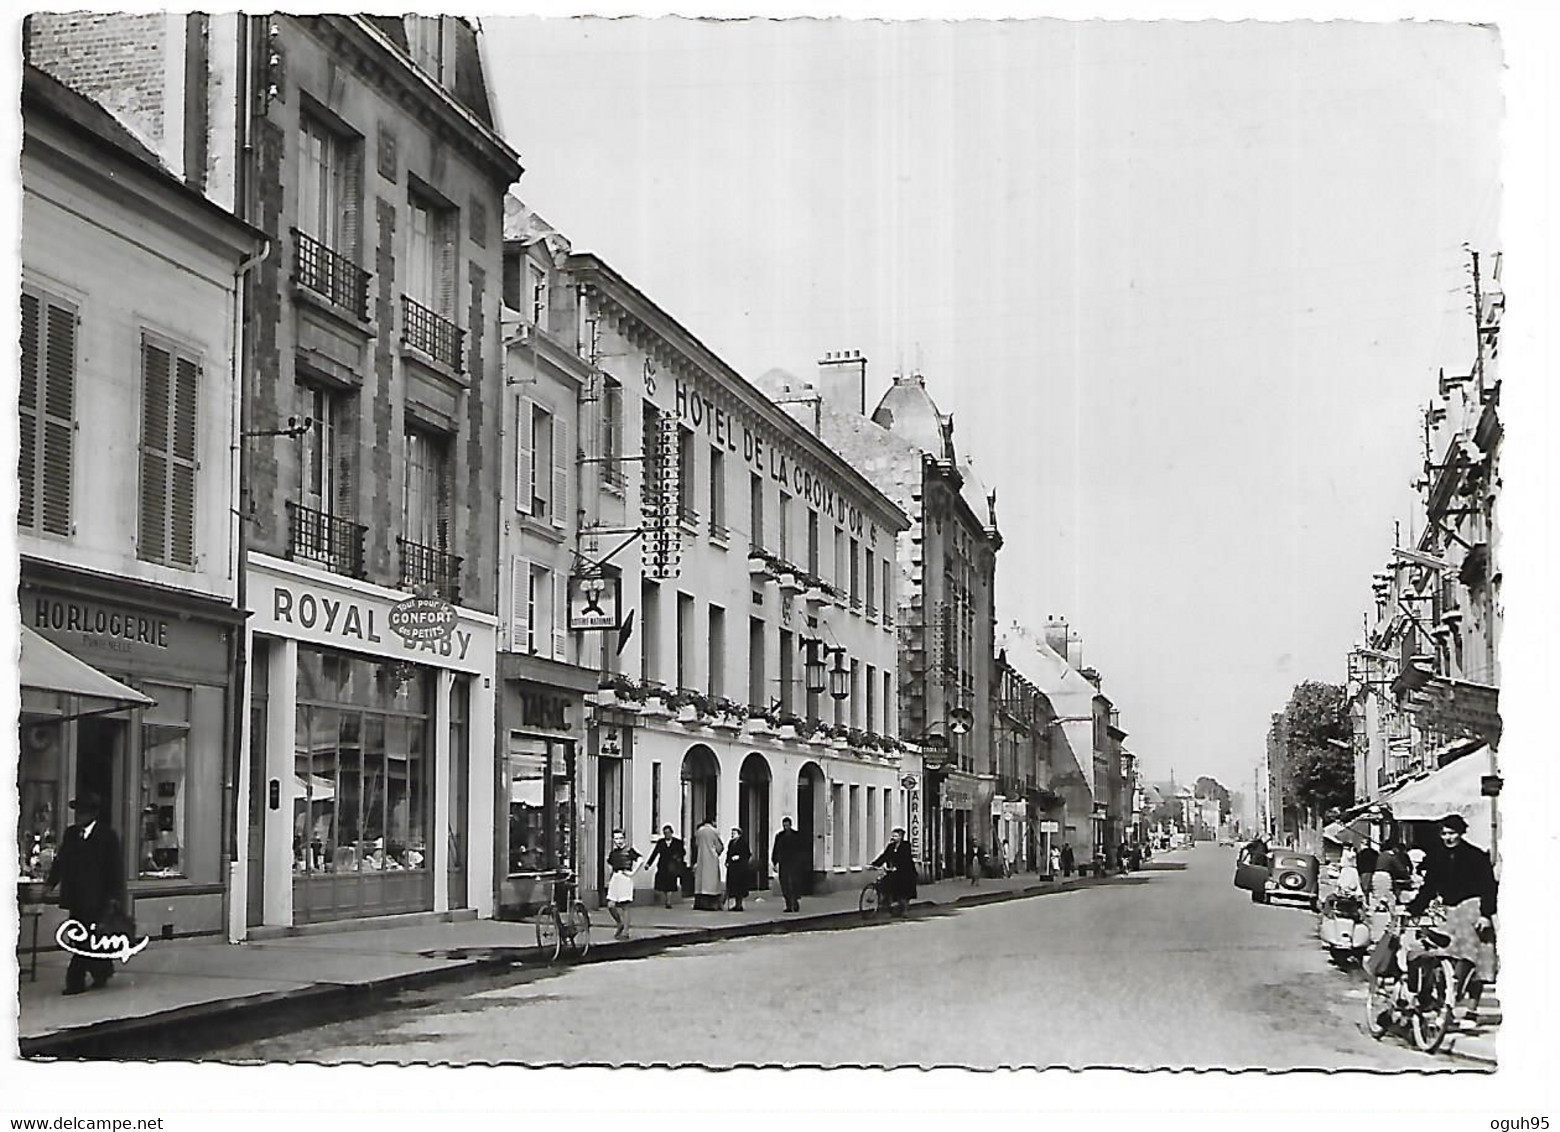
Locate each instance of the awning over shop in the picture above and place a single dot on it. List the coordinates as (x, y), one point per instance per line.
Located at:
(48, 668)
(1453, 789)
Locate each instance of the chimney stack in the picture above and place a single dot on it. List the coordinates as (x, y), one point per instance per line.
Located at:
(842, 381)
(1056, 636)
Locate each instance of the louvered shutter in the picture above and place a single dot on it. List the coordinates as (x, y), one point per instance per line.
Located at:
(350, 156)
(186, 418)
(563, 456)
(440, 453)
(342, 451)
(525, 459)
(59, 416)
(448, 222)
(27, 460)
(560, 609)
(519, 601)
(156, 366)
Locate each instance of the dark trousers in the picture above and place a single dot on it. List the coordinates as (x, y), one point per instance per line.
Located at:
(791, 888)
(80, 967)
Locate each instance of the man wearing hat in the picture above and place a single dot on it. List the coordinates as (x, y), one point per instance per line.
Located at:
(90, 873)
(1461, 875)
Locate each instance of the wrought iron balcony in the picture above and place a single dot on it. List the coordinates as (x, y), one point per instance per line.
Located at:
(433, 334)
(431, 569)
(330, 274)
(314, 536)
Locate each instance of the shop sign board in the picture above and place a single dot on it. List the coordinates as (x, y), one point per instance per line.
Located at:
(595, 601)
(419, 619)
(913, 810)
(958, 797)
(1050, 827)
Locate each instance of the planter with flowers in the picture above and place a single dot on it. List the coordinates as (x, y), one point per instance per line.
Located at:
(757, 722)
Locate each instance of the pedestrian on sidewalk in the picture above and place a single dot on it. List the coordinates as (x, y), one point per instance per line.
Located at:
(1123, 857)
(620, 884)
(973, 861)
(792, 857)
(1365, 861)
(707, 850)
(1461, 875)
(670, 859)
(1056, 862)
(739, 869)
(90, 873)
(1066, 859)
(1009, 859)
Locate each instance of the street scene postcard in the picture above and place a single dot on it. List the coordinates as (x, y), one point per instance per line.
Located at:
(598, 540)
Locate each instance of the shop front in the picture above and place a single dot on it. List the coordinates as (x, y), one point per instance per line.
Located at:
(125, 695)
(960, 797)
(541, 776)
(367, 773)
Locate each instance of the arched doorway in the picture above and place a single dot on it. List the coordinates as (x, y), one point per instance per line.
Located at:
(700, 776)
(753, 812)
(812, 800)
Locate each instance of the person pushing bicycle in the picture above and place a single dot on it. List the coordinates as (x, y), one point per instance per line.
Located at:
(898, 862)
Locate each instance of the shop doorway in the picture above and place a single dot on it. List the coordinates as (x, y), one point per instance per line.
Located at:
(609, 813)
(753, 812)
(812, 816)
(100, 751)
(700, 778)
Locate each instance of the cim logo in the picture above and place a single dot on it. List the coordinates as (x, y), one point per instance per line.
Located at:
(79, 939)
(423, 619)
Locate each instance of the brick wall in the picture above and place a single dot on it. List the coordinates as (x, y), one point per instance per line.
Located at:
(117, 59)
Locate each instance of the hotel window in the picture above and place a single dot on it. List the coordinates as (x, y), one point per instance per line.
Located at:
(757, 692)
(888, 704)
(649, 630)
(887, 592)
(785, 527)
(687, 457)
(611, 432)
(46, 462)
(872, 716)
(855, 575)
(787, 669)
(170, 379)
(717, 492)
(687, 635)
(812, 543)
(841, 566)
(870, 570)
(327, 250)
(856, 717)
(716, 674)
(756, 510)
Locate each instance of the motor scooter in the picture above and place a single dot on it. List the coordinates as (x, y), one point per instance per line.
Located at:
(1344, 929)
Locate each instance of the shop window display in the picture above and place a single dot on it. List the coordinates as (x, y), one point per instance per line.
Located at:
(165, 739)
(541, 804)
(40, 776)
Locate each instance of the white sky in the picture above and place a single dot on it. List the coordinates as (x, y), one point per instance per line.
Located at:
(1183, 286)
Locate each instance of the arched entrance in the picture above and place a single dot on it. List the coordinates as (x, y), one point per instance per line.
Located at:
(700, 776)
(753, 812)
(812, 799)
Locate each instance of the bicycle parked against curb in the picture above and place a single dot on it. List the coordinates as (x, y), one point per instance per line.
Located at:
(876, 895)
(1414, 985)
(562, 921)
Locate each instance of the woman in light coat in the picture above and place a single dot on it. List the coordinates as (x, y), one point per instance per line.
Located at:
(707, 850)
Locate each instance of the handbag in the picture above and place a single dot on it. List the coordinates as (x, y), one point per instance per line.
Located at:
(1252, 878)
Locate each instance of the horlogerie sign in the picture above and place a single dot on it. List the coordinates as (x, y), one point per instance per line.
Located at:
(422, 619)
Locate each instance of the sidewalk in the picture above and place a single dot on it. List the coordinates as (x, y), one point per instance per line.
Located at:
(186, 980)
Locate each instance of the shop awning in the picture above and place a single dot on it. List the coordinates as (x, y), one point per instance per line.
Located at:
(48, 668)
(1453, 789)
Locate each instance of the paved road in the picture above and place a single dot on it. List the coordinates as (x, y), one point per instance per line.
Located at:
(1171, 967)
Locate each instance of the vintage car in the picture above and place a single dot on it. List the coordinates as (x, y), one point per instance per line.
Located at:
(1292, 876)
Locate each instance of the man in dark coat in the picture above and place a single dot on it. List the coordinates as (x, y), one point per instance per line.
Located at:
(792, 856)
(90, 872)
(1463, 877)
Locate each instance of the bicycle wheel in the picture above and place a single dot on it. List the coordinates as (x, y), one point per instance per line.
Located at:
(579, 920)
(1378, 1006)
(1432, 1017)
(549, 933)
(869, 902)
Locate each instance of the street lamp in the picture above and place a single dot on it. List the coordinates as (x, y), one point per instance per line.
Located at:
(815, 675)
(839, 676)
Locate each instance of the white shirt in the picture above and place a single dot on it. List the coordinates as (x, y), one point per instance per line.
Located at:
(86, 830)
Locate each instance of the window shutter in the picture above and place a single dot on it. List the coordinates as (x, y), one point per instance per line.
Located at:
(26, 467)
(342, 441)
(560, 636)
(181, 503)
(155, 366)
(448, 222)
(59, 417)
(525, 456)
(350, 156)
(441, 491)
(519, 598)
(563, 457)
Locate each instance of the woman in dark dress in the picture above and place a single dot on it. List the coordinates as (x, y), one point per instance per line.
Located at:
(739, 869)
(671, 861)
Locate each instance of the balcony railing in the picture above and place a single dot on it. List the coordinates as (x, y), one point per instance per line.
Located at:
(428, 567)
(314, 536)
(433, 334)
(330, 274)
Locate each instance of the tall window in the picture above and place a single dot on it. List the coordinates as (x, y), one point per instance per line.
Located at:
(716, 673)
(542, 474)
(427, 495)
(855, 574)
(611, 431)
(812, 543)
(787, 669)
(170, 378)
(686, 636)
(756, 509)
(870, 570)
(785, 527)
(430, 257)
(686, 460)
(46, 463)
(756, 688)
(650, 629)
(326, 449)
(841, 566)
(717, 492)
(872, 716)
(888, 593)
(856, 719)
(888, 704)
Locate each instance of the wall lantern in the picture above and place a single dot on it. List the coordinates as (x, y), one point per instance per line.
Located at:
(839, 676)
(815, 674)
